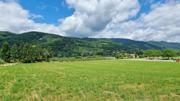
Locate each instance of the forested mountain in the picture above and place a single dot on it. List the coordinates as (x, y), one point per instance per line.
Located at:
(67, 46)
(164, 44)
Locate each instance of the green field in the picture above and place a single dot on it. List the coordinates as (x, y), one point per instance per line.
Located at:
(112, 80)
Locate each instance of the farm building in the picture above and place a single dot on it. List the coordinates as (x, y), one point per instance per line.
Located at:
(177, 60)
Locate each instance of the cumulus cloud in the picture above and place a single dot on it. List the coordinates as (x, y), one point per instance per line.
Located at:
(161, 24)
(93, 16)
(112, 19)
(16, 19)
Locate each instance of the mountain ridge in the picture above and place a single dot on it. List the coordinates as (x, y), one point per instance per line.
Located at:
(70, 46)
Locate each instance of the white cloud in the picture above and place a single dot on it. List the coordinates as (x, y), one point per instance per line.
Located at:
(92, 16)
(161, 24)
(14, 18)
(110, 19)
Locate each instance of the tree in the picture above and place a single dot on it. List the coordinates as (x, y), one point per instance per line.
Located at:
(152, 53)
(27, 54)
(46, 55)
(5, 52)
(178, 53)
(14, 53)
(139, 53)
(168, 53)
(34, 53)
(118, 55)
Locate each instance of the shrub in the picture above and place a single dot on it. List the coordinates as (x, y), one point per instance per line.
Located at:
(2, 61)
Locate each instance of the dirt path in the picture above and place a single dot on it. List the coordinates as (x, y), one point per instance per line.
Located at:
(8, 64)
(151, 60)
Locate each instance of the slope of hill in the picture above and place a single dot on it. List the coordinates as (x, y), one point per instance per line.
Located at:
(164, 44)
(137, 44)
(67, 46)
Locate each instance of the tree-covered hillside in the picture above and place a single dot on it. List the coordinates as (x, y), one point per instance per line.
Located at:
(68, 47)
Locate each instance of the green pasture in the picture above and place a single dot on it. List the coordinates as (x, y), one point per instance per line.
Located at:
(98, 80)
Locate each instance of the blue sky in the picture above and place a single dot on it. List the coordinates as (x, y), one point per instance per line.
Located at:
(143, 20)
(146, 5)
(53, 10)
(50, 10)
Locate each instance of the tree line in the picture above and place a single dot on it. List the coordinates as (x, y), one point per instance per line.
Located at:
(151, 53)
(167, 53)
(25, 53)
(29, 53)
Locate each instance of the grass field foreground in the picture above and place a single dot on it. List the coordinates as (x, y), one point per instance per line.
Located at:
(114, 80)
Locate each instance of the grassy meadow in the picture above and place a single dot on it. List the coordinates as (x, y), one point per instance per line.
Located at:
(98, 80)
